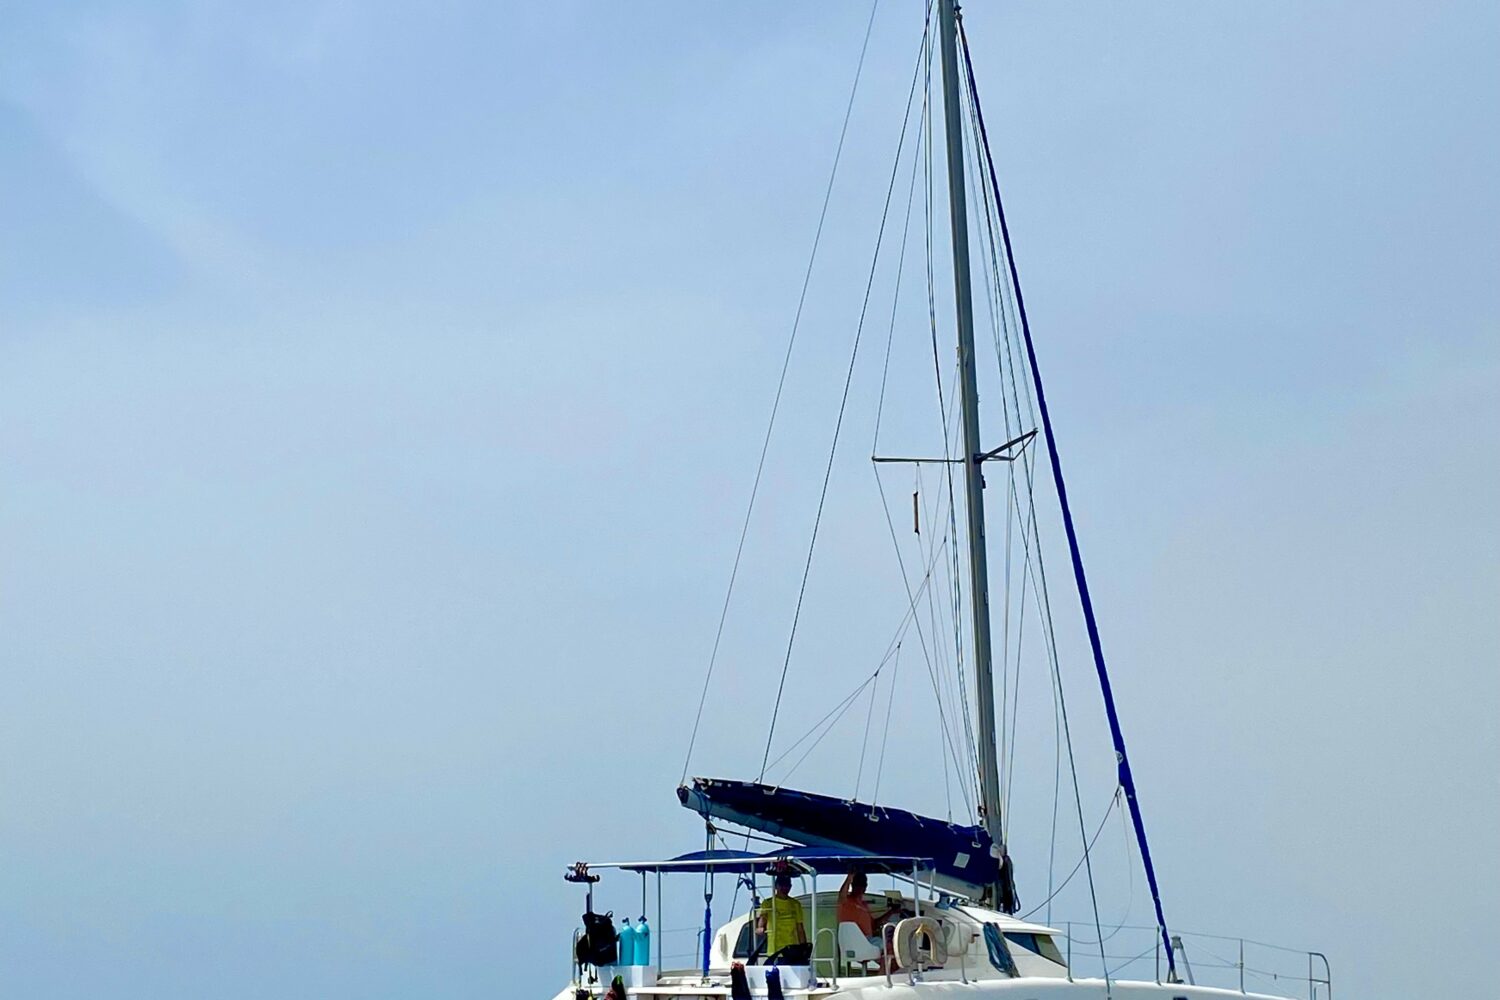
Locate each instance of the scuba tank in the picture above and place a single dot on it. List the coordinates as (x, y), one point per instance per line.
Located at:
(643, 942)
(627, 944)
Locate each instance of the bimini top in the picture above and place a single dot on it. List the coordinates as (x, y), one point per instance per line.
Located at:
(801, 860)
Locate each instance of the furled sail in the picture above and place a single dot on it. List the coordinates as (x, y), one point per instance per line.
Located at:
(962, 859)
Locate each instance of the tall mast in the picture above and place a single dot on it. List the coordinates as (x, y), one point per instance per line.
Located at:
(1002, 893)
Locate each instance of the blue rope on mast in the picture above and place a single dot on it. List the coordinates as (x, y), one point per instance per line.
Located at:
(1127, 780)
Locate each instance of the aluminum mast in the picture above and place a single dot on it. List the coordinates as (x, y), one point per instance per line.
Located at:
(1002, 894)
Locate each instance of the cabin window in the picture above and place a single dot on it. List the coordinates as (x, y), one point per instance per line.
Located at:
(1037, 944)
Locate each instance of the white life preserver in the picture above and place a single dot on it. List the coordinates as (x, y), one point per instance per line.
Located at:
(920, 943)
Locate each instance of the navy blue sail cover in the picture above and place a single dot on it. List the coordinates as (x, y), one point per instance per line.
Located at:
(821, 860)
(961, 856)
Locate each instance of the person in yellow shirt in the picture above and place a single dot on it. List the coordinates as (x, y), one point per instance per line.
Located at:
(780, 918)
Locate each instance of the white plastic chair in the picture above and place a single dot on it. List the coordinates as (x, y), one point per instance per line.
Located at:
(855, 947)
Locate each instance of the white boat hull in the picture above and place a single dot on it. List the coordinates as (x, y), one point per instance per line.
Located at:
(1025, 988)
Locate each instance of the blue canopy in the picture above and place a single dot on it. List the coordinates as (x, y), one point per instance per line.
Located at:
(960, 856)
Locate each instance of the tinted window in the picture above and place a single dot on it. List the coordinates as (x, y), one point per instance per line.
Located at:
(1027, 941)
(1037, 944)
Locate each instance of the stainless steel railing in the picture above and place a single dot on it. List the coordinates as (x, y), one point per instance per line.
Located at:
(1237, 963)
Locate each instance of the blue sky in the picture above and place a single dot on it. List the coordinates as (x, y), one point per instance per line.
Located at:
(380, 388)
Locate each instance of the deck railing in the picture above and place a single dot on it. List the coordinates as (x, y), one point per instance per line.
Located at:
(1133, 951)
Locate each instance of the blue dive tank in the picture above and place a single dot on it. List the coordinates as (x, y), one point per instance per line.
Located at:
(627, 944)
(642, 942)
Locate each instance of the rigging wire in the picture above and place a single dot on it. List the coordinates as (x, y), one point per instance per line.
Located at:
(892, 650)
(998, 300)
(954, 611)
(901, 258)
(932, 673)
(843, 407)
(977, 131)
(924, 584)
(1124, 922)
(1006, 327)
(1130, 872)
(949, 418)
(884, 739)
(995, 300)
(935, 674)
(917, 159)
(1114, 801)
(1108, 973)
(951, 449)
(786, 362)
(1056, 798)
(814, 744)
(927, 658)
(908, 620)
(955, 587)
(834, 713)
(864, 740)
(1006, 736)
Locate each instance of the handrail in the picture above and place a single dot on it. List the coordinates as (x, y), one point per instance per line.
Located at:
(1205, 934)
(1232, 970)
(963, 958)
(1326, 981)
(837, 954)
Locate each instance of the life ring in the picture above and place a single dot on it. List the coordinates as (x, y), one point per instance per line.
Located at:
(920, 943)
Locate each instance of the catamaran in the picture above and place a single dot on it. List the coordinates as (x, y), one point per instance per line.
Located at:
(953, 928)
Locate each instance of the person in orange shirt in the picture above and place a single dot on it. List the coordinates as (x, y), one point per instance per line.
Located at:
(853, 908)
